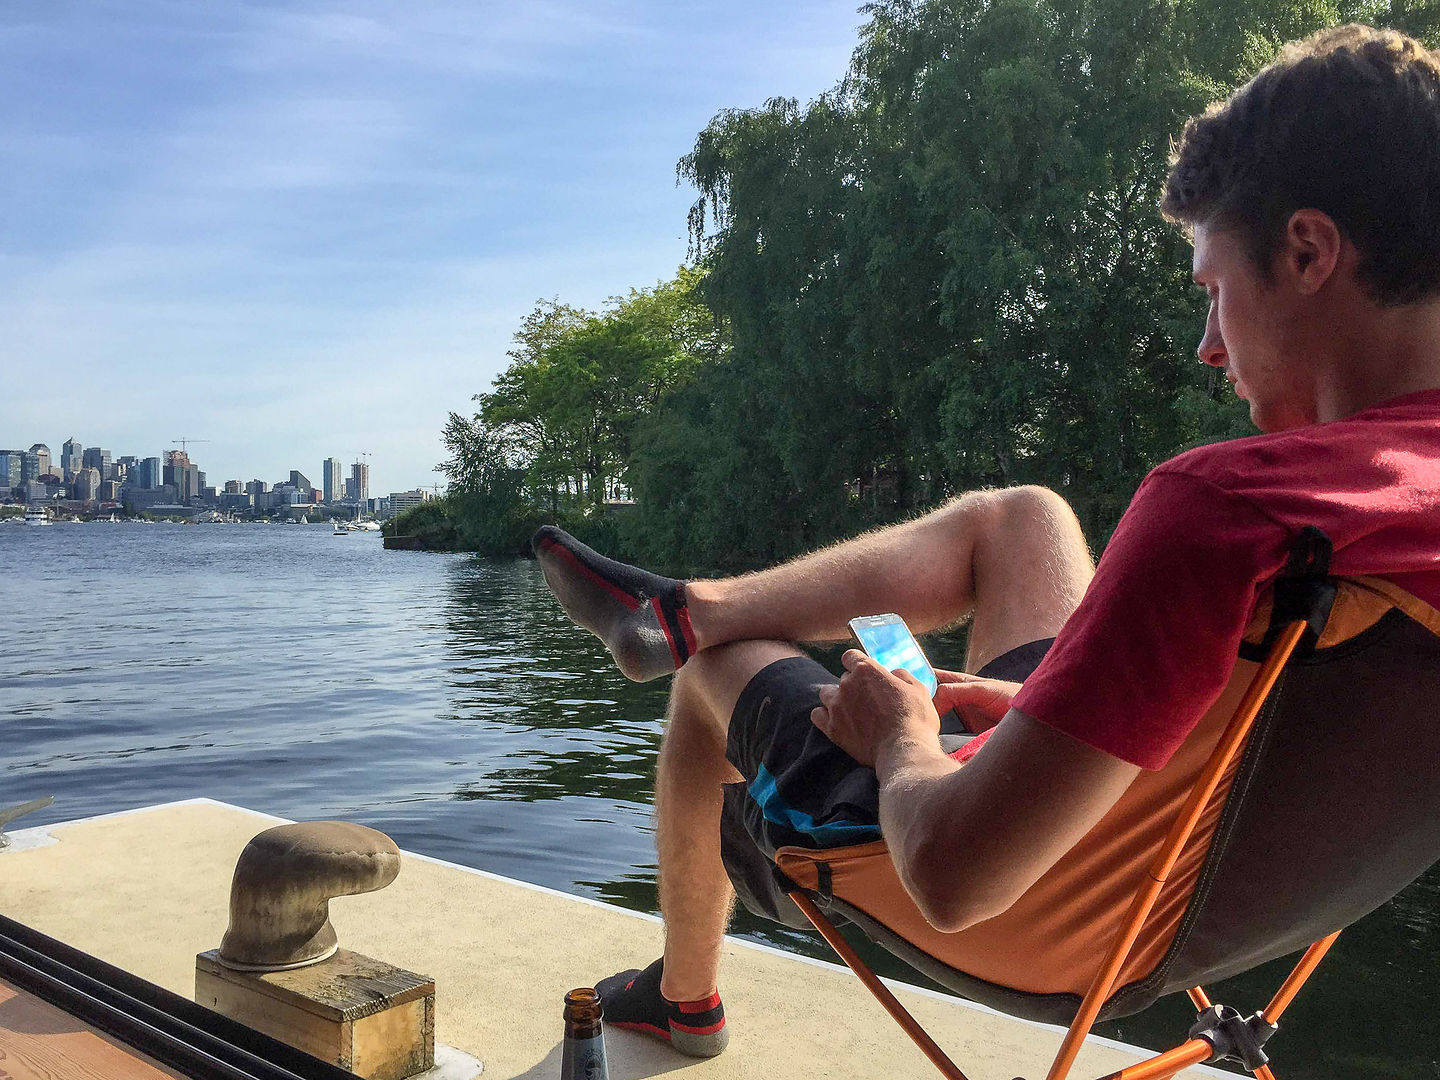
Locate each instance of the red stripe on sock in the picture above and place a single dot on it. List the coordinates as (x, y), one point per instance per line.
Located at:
(709, 1029)
(669, 639)
(620, 594)
(700, 1005)
(682, 616)
(636, 1025)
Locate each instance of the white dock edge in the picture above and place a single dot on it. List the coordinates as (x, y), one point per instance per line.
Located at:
(147, 889)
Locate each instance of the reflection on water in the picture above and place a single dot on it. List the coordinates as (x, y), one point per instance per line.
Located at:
(444, 700)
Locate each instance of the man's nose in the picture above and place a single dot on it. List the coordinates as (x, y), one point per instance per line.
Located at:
(1212, 345)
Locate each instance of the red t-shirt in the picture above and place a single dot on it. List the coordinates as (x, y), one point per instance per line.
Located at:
(1155, 638)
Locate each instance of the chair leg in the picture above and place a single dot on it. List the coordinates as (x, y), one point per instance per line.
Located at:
(1303, 970)
(1149, 888)
(882, 993)
(1167, 1064)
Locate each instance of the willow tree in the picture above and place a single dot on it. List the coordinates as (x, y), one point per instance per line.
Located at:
(949, 271)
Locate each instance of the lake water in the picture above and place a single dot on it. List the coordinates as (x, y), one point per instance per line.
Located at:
(444, 700)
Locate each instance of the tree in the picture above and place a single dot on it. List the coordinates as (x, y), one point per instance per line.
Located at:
(949, 272)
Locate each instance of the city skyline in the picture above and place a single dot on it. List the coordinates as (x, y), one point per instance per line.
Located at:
(308, 230)
(58, 463)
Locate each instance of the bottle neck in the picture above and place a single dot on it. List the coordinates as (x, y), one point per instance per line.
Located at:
(583, 1014)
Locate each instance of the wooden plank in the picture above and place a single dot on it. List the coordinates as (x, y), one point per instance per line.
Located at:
(40, 1042)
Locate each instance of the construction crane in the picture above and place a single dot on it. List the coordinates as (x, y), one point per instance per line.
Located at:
(183, 443)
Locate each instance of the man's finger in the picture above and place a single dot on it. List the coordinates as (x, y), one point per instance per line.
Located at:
(853, 658)
(956, 678)
(827, 693)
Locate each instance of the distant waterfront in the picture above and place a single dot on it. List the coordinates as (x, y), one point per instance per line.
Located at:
(442, 699)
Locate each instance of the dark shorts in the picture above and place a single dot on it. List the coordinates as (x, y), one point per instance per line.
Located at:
(800, 789)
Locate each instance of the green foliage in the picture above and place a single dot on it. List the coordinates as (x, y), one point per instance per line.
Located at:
(432, 522)
(567, 405)
(949, 272)
(946, 273)
(552, 440)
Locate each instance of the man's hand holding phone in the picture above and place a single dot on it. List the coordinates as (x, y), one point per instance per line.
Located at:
(873, 708)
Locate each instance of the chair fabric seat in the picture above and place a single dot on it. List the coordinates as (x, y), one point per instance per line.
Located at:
(1331, 810)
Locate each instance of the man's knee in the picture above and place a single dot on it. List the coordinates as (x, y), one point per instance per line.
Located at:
(714, 678)
(1025, 506)
(1034, 506)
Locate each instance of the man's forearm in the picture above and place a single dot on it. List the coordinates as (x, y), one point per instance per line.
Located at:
(967, 842)
(917, 803)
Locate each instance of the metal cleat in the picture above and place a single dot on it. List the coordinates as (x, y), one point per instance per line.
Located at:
(10, 814)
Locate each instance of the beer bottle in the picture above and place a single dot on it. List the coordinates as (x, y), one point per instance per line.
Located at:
(583, 1056)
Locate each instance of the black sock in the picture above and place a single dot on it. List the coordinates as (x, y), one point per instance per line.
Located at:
(641, 617)
(632, 1000)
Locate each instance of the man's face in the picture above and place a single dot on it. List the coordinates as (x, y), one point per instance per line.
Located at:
(1248, 333)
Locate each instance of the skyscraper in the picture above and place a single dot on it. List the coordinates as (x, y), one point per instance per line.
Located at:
(42, 458)
(333, 479)
(10, 475)
(99, 460)
(360, 477)
(71, 461)
(151, 476)
(87, 484)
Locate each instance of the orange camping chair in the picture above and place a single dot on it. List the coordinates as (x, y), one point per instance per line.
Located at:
(1303, 800)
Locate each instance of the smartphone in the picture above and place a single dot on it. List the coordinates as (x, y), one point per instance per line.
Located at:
(889, 641)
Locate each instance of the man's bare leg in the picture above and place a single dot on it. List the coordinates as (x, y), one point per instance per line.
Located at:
(695, 894)
(678, 998)
(1013, 558)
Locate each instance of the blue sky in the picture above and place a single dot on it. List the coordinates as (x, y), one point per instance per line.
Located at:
(304, 229)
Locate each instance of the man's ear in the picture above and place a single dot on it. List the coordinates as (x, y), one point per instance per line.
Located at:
(1311, 250)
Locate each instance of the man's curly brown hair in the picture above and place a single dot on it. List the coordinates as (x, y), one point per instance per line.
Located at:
(1346, 121)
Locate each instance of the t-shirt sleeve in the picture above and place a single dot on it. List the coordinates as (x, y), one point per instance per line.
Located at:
(1155, 638)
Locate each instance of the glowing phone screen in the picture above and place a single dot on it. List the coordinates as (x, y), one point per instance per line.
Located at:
(889, 641)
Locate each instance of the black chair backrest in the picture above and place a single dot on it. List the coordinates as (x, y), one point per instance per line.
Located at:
(1334, 810)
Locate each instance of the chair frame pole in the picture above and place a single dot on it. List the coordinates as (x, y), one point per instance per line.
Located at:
(882, 993)
(1291, 986)
(1166, 1065)
(1149, 890)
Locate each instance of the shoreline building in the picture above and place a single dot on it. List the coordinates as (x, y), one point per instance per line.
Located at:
(87, 484)
(359, 486)
(71, 458)
(99, 460)
(333, 479)
(404, 500)
(149, 474)
(186, 477)
(42, 460)
(10, 469)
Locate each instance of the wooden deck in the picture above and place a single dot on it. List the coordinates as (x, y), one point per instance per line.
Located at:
(39, 1042)
(148, 890)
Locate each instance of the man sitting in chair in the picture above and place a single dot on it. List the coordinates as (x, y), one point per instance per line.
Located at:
(1310, 196)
